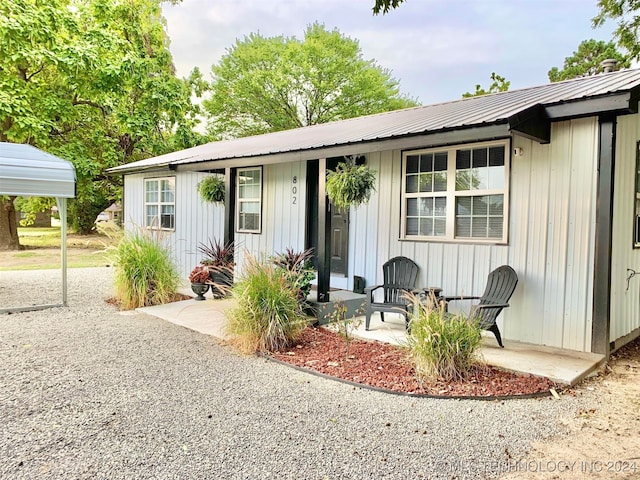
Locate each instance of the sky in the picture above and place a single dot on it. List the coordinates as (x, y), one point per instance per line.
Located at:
(437, 49)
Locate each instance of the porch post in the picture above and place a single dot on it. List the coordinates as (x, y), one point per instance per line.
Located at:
(62, 211)
(601, 318)
(229, 204)
(324, 247)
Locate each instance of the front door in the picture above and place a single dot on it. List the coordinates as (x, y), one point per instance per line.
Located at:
(339, 241)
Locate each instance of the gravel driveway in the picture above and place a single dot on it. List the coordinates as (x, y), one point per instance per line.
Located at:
(89, 392)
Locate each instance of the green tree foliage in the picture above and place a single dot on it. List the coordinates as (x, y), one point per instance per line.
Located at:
(385, 6)
(625, 13)
(587, 60)
(498, 84)
(93, 82)
(269, 84)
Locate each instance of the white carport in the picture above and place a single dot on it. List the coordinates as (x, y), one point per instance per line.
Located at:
(26, 171)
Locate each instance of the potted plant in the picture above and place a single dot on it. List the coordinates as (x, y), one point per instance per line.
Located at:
(199, 278)
(211, 189)
(350, 184)
(219, 259)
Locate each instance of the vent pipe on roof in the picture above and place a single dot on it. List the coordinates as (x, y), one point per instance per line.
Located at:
(608, 65)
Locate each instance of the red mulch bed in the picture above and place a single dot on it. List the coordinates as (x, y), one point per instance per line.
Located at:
(388, 367)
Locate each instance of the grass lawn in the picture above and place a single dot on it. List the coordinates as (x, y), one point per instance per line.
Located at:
(42, 249)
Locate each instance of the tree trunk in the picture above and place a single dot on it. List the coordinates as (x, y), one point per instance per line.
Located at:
(8, 225)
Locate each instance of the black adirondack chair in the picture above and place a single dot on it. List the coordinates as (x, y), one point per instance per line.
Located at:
(500, 286)
(399, 277)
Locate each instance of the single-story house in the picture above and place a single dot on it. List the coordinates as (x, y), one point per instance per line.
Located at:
(544, 179)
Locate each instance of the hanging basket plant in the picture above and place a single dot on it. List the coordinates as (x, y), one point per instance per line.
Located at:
(211, 189)
(350, 185)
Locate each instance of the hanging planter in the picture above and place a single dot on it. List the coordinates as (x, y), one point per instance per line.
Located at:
(211, 189)
(350, 185)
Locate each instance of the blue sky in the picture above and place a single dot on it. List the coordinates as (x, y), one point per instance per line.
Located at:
(438, 49)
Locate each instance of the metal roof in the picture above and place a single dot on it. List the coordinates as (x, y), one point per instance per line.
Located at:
(27, 171)
(460, 114)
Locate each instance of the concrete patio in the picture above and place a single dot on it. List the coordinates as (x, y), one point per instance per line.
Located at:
(566, 367)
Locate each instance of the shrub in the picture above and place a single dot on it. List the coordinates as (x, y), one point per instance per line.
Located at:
(268, 316)
(443, 346)
(144, 273)
(298, 270)
(344, 325)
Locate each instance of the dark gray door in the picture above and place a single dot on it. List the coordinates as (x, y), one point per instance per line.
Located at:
(339, 241)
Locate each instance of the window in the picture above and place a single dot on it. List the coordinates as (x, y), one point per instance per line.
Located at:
(159, 203)
(249, 200)
(457, 193)
(636, 222)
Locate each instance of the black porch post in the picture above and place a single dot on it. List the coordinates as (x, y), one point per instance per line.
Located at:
(229, 204)
(324, 246)
(601, 322)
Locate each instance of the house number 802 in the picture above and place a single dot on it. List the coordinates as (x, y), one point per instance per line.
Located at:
(294, 190)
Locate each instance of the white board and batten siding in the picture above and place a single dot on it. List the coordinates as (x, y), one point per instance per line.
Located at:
(625, 304)
(283, 213)
(196, 220)
(550, 245)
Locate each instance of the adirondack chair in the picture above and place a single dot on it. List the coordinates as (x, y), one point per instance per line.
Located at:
(399, 278)
(500, 286)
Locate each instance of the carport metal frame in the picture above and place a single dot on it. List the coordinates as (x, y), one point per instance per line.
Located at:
(28, 171)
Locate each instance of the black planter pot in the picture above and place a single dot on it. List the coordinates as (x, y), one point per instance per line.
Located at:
(199, 289)
(222, 281)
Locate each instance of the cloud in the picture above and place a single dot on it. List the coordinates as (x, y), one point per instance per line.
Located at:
(436, 48)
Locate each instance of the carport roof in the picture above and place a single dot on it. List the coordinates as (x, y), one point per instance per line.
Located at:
(28, 171)
(527, 111)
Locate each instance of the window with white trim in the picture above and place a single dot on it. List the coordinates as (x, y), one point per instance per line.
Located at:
(456, 193)
(636, 216)
(159, 203)
(249, 200)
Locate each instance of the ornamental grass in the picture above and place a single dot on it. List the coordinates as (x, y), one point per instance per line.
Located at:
(268, 316)
(144, 272)
(443, 346)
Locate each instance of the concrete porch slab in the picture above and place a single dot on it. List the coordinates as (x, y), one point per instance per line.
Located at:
(206, 316)
(566, 367)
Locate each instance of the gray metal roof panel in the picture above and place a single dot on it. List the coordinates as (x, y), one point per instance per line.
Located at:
(26, 170)
(463, 113)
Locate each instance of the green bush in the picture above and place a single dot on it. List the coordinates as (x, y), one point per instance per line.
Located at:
(268, 316)
(144, 273)
(299, 270)
(443, 346)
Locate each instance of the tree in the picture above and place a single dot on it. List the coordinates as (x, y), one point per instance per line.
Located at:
(625, 13)
(93, 82)
(270, 84)
(385, 6)
(587, 60)
(499, 84)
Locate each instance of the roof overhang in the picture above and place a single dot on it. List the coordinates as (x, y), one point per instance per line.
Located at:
(535, 122)
(621, 103)
(436, 139)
